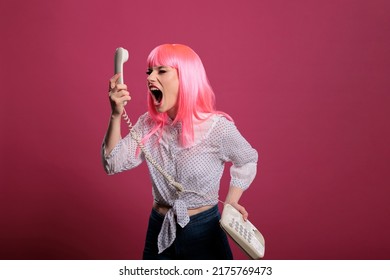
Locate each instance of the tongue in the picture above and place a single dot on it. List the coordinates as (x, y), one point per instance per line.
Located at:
(157, 96)
(157, 103)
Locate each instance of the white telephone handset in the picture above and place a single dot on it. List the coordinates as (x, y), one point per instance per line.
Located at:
(244, 233)
(121, 56)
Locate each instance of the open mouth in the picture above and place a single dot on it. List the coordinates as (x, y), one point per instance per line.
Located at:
(157, 95)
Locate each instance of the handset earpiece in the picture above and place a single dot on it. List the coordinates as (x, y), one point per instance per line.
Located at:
(121, 56)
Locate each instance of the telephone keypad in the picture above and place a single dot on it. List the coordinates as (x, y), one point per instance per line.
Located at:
(247, 235)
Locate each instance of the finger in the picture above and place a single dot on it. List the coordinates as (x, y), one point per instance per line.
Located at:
(118, 88)
(243, 212)
(121, 87)
(114, 80)
(123, 100)
(120, 98)
(121, 93)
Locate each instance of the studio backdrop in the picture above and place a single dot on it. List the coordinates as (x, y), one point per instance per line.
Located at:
(306, 82)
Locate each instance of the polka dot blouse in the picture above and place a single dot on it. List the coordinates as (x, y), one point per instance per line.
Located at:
(197, 168)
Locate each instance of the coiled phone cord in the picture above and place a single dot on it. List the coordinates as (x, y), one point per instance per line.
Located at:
(137, 138)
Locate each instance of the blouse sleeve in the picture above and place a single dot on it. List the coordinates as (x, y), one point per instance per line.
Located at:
(236, 149)
(125, 154)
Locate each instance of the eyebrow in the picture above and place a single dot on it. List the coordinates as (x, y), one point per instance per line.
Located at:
(159, 67)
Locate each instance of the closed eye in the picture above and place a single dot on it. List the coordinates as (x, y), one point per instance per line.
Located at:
(161, 70)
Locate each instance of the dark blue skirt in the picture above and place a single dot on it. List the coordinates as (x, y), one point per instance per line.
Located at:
(201, 239)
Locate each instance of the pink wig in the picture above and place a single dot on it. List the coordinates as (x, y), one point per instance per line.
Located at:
(195, 93)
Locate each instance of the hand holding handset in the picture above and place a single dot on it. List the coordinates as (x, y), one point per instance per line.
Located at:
(121, 56)
(244, 233)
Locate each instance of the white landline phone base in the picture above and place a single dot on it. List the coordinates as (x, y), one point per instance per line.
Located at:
(244, 233)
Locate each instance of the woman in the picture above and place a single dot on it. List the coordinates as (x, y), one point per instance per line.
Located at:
(191, 141)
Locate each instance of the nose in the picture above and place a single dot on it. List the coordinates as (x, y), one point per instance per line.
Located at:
(151, 77)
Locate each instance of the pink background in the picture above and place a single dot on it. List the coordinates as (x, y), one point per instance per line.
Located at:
(307, 83)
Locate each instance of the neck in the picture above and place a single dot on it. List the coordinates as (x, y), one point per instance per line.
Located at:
(172, 113)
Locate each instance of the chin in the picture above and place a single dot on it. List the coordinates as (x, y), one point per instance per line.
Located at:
(161, 110)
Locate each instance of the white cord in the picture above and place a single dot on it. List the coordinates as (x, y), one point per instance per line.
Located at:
(168, 177)
(137, 138)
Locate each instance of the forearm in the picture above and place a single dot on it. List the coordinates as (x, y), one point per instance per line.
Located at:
(232, 198)
(233, 195)
(118, 96)
(113, 134)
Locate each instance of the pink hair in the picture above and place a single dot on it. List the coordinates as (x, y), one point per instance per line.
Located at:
(195, 93)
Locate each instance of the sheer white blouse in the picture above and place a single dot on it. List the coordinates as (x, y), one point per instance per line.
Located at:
(198, 168)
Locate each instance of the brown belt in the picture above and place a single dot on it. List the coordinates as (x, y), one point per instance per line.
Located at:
(163, 209)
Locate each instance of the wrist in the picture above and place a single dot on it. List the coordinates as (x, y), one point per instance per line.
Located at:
(115, 116)
(232, 203)
(234, 195)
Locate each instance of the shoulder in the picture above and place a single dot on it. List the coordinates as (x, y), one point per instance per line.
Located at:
(223, 121)
(226, 127)
(144, 122)
(220, 126)
(145, 119)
